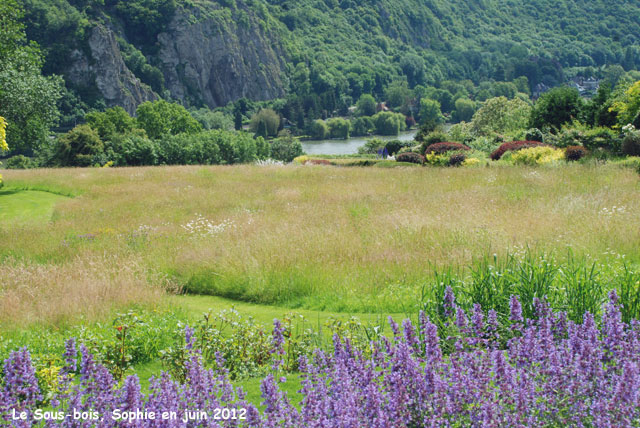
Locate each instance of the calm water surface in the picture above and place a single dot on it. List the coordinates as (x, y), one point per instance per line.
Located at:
(347, 147)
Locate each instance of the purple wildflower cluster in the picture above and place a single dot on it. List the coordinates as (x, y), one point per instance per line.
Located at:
(551, 372)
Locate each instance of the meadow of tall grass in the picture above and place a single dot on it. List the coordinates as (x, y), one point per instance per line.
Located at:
(340, 239)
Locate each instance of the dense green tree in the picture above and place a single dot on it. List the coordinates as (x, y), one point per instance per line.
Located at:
(361, 126)
(556, 107)
(413, 67)
(210, 119)
(12, 35)
(145, 18)
(398, 94)
(237, 120)
(339, 128)
(266, 121)
(111, 122)
(27, 98)
(79, 147)
(319, 129)
(430, 114)
(597, 112)
(500, 115)
(366, 105)
(626, 104)
(465, 108)
(388, 123)
(160, 118)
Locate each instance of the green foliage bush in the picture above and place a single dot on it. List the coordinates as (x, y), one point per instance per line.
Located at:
(286, 149)
(133, 150)
(81, 146)
(590, 138)
(394, 146)
(21, 162)
(371, 146)
(631, 144)
(210, 148)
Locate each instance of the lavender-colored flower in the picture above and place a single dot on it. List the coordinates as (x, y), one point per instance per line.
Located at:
(21, 389)
(70, 356)
(515, 313)
(554, 372)
(449, 302)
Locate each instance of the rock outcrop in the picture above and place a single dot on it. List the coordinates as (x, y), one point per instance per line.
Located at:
(214, 59)
(105, 69)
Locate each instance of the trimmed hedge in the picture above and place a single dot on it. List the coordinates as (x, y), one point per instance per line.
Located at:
(513, 146)
(410, 157)
(456, 159)
(575, 153)
(444, 147)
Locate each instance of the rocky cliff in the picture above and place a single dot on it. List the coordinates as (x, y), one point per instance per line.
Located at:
(208, 56)
(105, 69)
(214, 58)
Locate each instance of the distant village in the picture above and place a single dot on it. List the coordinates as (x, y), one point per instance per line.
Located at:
(587, 86)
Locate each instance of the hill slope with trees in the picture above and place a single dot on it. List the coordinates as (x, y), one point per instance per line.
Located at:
(208, 53)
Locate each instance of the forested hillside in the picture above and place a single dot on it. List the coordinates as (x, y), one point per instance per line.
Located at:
(330, 48)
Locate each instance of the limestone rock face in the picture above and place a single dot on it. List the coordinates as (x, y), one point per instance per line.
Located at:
(212, 60)
(106, 70)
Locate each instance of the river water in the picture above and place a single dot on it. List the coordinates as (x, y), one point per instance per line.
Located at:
(347, 147)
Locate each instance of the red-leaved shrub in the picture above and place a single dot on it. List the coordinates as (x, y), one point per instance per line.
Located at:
(439, 148)
(410, 157)
(574, 153)
(456, 159)
(318, 162)
(514, 146)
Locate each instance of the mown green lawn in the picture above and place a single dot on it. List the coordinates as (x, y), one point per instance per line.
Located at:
(24, 206)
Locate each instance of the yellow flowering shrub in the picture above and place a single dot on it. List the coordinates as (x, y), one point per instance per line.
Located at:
(436, 159)
(3, 135)
(301, 160)
(471, 162)
(537, 156)
(3, 140)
